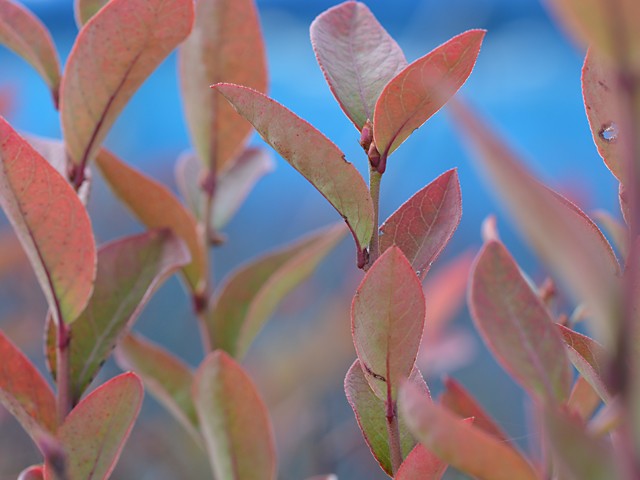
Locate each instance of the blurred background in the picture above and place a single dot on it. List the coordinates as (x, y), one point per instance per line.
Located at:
(526, 81)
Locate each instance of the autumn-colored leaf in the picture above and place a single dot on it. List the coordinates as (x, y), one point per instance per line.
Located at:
(422, 88)
(35, 472)
(226, 45)
(312, 154)
(421, 464)
(25, 34)
(516, 326)
(387, 319)
(234, 421)
(357, 57)
(370, 413)
(423, 226)
(113, 55)
(51, 223)
(459, 443)
(156, 207)
(252, 293)
(584, 400)
(85, 9)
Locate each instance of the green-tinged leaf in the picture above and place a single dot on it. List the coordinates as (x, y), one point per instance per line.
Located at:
(312, 154)
(370, 413)
(589, 358)
(51, 223)
(423, 226)
(516, 326)
(387, 319)
(459, 401)
(584, 400)
(616, 230)
(421, 464)
(234, 421)
(164, 375)
(85, 9)
(357, 56)
(232, 185)
(565, 238)
(460, 444)
(96, 430)
(226, 45)
(129, 271)
(35, 472)
(252, 293)
(24, 393)
(25, 34)
(156, 207)
(113, 55)
(422, 88)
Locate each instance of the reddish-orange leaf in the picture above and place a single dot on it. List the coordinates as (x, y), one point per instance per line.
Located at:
(421, 89)
(357, 56)
(36, 472)
(423, 225)
(421, 464)
(234, 421)
(85, 9)
(51, 223)
(225, 46)
(387, 319)
(113, 55)
(26, 35)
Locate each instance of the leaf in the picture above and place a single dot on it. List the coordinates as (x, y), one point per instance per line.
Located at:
(112, 56)
(24, 393)
(584, 400)
(234, 420)
(51, 223)
(423, 225)
(422, 88)
(129, 271)
(26, 35)
(616, 230)
(561, 234)
(459, 443)
(35, 472)
(96, 430)
(251, 294)
(370, 413)
(312, 154)
(232, 185)
(421, 464)
(85, 9)
(516, 326)
(226, 45)
(156, 207)
(357, 57)
(387, 319)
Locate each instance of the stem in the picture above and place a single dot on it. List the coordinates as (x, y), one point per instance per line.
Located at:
(375, 178)
(393, 431)
(64, 402)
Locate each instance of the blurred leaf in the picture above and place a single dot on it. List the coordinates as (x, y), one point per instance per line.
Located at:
(51, 223)
(625, 208)
(112, 56)
(85, 9)
(96, 430)
(421, 464)
(387, 319)
(459, 443)
(251, 294)
(232, 185)
(24, 393)
(422, 88)
(371, 413)
(564, 237)
(225, 46)
(312, 154)
(234, 421)
(35, 472)
(357, 57)
(156, 207)
(423, 225)
(26, 35)
(584, 400)
(616, 230)
(129, 271)
(516, 326)
(323, 477)
(167, 377)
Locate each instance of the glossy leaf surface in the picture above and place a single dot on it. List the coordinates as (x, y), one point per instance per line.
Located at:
(113, 55)
(387, 319)
(421, 464)
(225, 46)
(357, 56)
(312, 154)
(51, 223)
(85, 9)
(422, 88)
(156, 207)
(253, 292)
(234, 421)
(423, 226)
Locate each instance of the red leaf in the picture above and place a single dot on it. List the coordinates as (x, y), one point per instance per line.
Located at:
(36, 472)
(421, 464)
